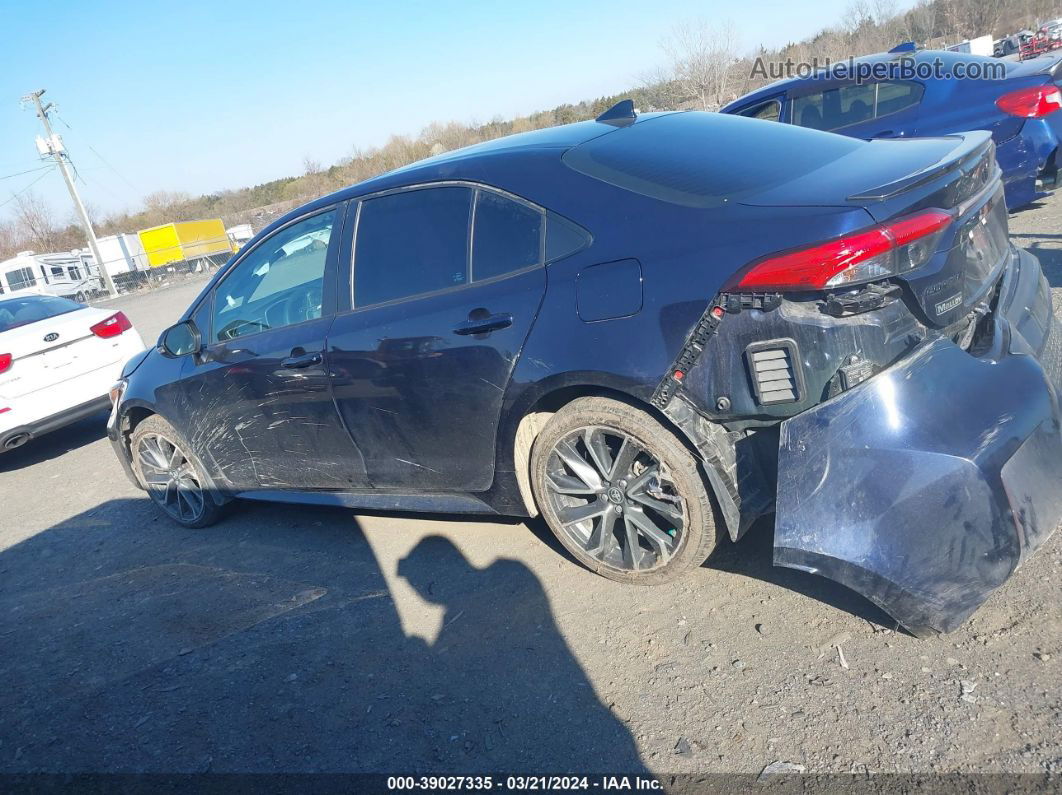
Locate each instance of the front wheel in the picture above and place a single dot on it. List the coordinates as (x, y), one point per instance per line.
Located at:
(171, 475)
(622, 493)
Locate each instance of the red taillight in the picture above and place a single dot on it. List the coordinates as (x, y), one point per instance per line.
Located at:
(1031, 103)
(880, 252)
(112, 326)
(5, 362)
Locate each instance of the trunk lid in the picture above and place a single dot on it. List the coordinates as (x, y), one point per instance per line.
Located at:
(48, 352)
(894, 178)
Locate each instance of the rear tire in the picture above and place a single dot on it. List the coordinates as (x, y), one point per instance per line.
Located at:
(622, 493)
(171, 475)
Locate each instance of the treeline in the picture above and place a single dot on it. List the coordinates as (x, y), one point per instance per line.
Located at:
(703, 69)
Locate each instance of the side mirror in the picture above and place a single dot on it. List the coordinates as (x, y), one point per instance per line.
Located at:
(180, 340)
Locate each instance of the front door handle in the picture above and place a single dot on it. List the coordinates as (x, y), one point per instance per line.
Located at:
(303, 360)
(484, 324)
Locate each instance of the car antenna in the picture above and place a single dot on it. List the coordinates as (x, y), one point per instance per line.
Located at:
(619, 115)
(907, 46)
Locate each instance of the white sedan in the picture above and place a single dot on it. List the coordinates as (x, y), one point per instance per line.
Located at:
(58, 361)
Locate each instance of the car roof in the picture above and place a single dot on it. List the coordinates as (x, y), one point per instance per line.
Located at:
(505, 156)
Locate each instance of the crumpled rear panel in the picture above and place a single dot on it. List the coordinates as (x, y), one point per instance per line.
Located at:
(901, 488)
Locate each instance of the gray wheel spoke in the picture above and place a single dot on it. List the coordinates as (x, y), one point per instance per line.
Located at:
(670, 510)
(581, 513)
(632, 551)
(601, 536)
(566, 484)
(624, 459)
(660, 541)
(599, 452)
(583, 470)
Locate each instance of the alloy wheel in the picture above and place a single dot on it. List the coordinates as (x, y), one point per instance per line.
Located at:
(615, 499)
(170, 478)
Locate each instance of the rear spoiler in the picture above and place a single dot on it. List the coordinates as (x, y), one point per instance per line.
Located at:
(970, 148)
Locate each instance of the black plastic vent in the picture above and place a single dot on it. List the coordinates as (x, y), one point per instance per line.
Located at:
(774, 367)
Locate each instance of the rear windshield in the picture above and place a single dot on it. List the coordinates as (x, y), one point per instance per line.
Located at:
(15, 312)
(706, 159)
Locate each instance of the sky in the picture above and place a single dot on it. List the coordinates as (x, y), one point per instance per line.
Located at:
(203, 96)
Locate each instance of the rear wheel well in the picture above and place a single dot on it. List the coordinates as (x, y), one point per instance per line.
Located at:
(536, 417)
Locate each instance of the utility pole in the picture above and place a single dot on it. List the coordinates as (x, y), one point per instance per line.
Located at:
(57, 152)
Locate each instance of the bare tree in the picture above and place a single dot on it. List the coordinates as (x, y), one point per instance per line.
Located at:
(702, 55)
(34, 223)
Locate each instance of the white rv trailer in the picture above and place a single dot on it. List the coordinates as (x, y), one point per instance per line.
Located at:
(68, 274)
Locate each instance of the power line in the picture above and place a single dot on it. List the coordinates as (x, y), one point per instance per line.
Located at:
(16, 195)
(28, 171)
(104, 160)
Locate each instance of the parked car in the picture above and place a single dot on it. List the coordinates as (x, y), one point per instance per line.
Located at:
(1020, 110)
(651, 330)
(58, 361)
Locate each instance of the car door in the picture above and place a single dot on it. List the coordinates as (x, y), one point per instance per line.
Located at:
(446, 281)
(257, 396)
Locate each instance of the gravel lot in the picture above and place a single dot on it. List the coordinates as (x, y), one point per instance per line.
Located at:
(284, 639)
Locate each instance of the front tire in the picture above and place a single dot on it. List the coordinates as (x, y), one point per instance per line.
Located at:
(171, 475)
(622, 493)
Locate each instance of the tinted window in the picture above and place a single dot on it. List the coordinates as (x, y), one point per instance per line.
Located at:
(410, 243)
(507, 236)
(563, 238)
(20, 278)
(705, 159)
(840, 107)
(768, 111)
(16, 312)
(278, 283)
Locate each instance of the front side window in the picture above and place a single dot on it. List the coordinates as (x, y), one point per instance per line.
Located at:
(768, 111)
(278, 283)
(506, 236)
(410, 243)
(20, 278)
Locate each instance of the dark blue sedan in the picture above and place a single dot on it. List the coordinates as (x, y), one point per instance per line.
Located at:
(1019, 105)
(651, 331)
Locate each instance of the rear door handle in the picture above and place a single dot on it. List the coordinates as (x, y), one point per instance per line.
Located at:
(485, 325)
(304, 360)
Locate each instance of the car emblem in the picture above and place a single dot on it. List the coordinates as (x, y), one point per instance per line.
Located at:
(51, 337)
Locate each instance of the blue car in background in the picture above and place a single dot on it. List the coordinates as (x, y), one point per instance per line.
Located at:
(1020, 107)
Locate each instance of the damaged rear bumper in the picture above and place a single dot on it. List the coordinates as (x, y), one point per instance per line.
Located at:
(926, 487)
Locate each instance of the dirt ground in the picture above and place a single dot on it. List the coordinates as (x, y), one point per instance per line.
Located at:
(298, 639)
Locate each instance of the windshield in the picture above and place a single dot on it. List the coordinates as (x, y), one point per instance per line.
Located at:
(15, 312)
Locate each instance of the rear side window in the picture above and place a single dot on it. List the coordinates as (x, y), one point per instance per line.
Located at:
(410, 243)
(506, 236)
(768, 111)
(15, 312)
(846, 105)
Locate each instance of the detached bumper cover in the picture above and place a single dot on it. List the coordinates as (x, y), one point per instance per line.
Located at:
(926, 487)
